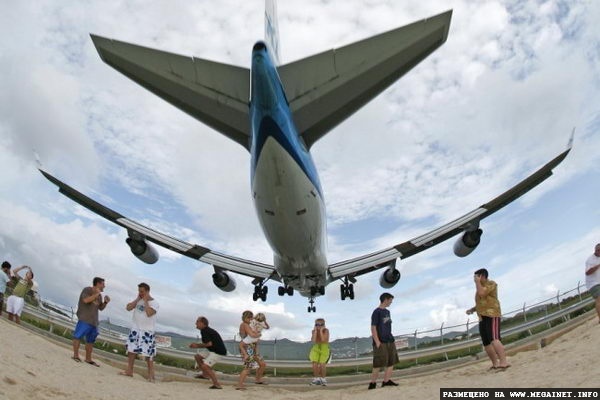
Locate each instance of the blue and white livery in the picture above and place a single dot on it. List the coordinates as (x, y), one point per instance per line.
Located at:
(278, 112)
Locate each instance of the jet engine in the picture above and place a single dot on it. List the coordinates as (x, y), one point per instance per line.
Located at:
(223, 281)
(467, 242)
(389, 278)
(142, 250)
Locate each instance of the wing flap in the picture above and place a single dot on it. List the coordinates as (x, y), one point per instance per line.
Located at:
(213, 93)
(325, 89)
(363, 264)
(234, 264)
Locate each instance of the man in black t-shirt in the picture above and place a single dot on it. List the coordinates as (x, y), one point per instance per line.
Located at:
(385, 354)
(213, 348)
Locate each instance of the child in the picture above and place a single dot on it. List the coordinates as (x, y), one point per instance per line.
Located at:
(319, 353)
(257, 324)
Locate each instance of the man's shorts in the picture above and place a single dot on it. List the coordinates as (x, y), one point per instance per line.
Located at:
(208, 357)
(489, 329)
(385, 356)
(14, 305)
(84, 329)
(319, 353)
(595, 291)
(141, 342)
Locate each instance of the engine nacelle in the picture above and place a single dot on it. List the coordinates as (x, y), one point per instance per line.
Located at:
(223, 281)
(389, 278)
(142, 250)
(467, 242)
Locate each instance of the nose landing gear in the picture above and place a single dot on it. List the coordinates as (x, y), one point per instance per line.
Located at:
(311, 306)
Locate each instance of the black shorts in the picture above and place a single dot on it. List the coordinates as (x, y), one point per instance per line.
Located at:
(489, 329)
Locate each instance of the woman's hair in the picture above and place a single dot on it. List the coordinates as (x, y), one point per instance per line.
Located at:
(260, 317)
(320, 321)
(247, 314)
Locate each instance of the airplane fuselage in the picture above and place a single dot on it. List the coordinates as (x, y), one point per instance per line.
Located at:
(286, 190)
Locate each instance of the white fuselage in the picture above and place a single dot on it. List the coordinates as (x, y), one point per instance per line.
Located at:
(292, 214)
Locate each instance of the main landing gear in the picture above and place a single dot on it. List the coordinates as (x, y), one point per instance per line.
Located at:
(260, 290)
(283, 290)
(347, 289)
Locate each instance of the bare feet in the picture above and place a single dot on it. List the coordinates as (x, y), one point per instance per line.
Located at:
(125, 373)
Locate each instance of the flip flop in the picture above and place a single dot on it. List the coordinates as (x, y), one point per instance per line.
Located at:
(125, 374)
(94, 363)
(240, 388)
(503, 368)
(215, 387)
(76, 359)
(261, 383)
(492, 367)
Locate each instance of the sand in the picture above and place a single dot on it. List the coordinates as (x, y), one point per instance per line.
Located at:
(34, 367)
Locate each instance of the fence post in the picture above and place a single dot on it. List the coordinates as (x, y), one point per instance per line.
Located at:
(416, 359)
(579, 291)
(468, 335)
(356, 352)
(558, 298)
(275, 356)
(524, 313)
(442, 333)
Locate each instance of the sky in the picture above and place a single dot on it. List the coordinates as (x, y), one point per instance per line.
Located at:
(497, 101)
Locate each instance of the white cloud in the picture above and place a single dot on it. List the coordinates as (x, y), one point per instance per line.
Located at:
(489, 107)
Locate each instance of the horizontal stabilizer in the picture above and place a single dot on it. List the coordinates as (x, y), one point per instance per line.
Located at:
(325, 89)
(214, 93)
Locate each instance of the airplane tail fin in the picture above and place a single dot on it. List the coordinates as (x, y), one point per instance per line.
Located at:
(272, 29)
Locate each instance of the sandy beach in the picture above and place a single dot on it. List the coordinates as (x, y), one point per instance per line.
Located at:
(34, 367)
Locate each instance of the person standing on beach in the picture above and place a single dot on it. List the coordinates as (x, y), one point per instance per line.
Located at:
(141, 339)
(90, 302)
(213, 348)
(592, 277)
(487, 307)
(385, 354)
(250, 356)
(319, 353)
(4, 279)
(16, 301)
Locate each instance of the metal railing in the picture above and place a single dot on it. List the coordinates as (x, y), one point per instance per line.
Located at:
(421, 348)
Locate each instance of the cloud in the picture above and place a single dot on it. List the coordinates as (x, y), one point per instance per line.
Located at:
(493, 104)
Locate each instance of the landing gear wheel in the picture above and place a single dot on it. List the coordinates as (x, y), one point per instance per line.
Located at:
(263, 293)
(351, 291)
(281, 290)
(343, 292)
(290, 291)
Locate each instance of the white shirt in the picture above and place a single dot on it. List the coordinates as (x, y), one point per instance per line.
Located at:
(593, 279)
(141, 320)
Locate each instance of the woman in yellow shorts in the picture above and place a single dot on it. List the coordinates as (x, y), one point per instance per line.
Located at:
(319, 353)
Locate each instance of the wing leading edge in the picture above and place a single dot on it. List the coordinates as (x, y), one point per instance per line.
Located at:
(370, 262)
(234, 264)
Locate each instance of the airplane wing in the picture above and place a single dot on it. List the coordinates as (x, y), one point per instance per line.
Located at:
(379, 259)
(214, 93)
(234, 264)
(325, 89)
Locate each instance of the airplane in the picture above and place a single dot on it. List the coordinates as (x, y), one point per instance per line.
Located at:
(277, 112)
